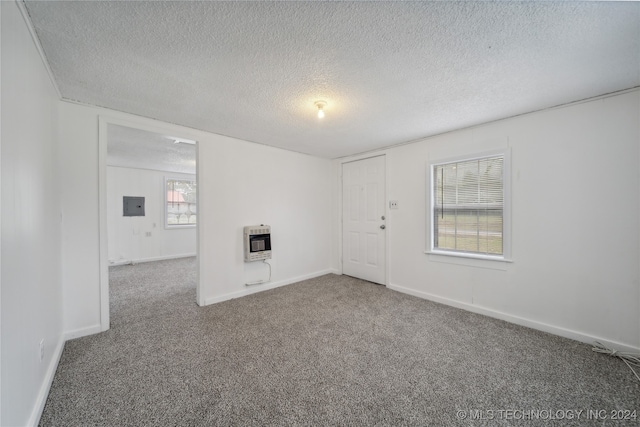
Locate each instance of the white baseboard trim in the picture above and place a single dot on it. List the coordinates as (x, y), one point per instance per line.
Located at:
(157, 258)
(162, 258)
(41, 399)
(82, 332)
(264, 287)
(533, 324)
(119, 262)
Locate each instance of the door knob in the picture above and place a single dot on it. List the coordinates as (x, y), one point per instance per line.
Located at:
(383, 226)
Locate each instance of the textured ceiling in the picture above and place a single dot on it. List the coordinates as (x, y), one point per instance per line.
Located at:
(390, 72)
(135, 148)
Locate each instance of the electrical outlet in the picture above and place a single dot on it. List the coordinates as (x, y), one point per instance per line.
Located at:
(42, 349)
(393, 204)
(148, 234)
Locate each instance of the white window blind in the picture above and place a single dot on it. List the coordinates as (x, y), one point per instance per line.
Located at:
(468, 206)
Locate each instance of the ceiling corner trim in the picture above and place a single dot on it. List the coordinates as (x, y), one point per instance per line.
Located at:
(36, 41)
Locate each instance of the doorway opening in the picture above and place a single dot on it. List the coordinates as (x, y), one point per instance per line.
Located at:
(148, 218)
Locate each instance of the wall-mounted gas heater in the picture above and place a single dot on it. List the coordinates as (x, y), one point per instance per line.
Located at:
(257, 247)
(257, 242)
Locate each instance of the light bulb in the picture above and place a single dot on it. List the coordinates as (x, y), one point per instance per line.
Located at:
(320, 105)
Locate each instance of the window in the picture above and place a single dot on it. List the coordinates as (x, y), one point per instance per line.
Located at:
(468, 211)
(181, 203)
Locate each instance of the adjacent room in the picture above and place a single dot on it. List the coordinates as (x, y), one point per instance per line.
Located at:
(319, 213)
(151, 217)
(159, 171)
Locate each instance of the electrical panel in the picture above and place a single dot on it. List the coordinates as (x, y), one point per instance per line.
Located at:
(132, 206)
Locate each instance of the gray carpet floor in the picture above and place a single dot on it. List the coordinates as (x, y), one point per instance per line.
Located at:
(332, 350)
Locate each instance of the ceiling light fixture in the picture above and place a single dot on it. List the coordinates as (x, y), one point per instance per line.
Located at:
(320, 105)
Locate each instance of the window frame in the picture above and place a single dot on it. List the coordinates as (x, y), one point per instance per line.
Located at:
(168, 226)
(505, 153)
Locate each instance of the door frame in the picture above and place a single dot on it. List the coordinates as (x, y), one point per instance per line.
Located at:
(341, 214)
(149, 126)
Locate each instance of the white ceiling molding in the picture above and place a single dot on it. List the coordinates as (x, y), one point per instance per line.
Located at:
(36, 41)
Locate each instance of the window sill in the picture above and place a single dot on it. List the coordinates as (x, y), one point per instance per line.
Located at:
(179, 227)
(471, 260)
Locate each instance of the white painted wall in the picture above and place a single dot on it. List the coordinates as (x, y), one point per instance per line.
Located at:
(242, 183)
(127, 236)
(575, 213)
(80, 229)
(291, 192)
(31, 273)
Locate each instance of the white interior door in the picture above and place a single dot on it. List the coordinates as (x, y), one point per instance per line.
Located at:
(363, 219)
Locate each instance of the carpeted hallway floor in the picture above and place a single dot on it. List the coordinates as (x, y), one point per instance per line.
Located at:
(332, 350)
